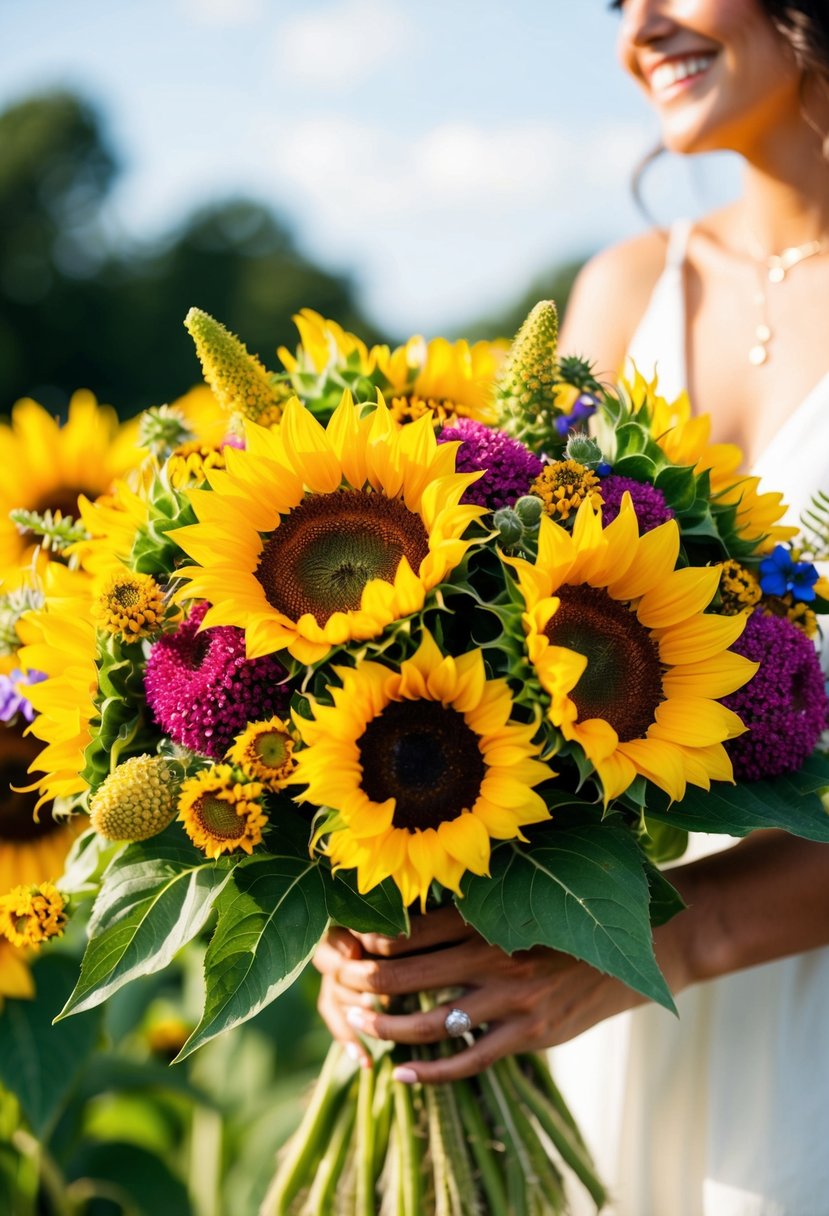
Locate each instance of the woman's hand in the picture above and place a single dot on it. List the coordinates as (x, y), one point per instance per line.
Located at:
(527, 1001)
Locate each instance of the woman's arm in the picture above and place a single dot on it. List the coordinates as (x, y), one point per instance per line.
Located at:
(761, 900)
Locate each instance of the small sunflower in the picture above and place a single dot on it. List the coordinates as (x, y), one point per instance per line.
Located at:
(113, 521)
(31, 913)
(220, 813)
(265, 750)
(421, 768)
(129, 605)
(46, 466)
(620, 642)
(564, 485)
(60, 641)
(685, 440)
(314, 537)
(446, 380)
(325, 345)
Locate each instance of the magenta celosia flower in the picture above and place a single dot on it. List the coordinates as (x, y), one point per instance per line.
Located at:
(202, 689)
(784, 705)
(509, 467)
(648, 502)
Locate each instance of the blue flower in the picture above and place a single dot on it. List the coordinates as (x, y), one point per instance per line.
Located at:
(780, 573)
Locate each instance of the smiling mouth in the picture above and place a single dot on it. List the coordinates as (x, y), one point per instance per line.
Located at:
(667, 75)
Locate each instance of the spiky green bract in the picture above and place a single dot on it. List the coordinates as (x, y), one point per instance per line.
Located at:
(162, 429)
(54, 531)
(575, 370)
(153, 550)
(708, 528)
(120, 727)
(239, 381)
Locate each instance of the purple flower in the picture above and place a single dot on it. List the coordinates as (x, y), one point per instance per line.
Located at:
(13, 702)
(648, 502)
(780, 573)
(509, 467)
(583, 408)
(202, 689)
(784, 705)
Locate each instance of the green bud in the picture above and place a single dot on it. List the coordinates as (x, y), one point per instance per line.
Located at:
(529, 510)
(583, 449)
(509, 526)
(162, 429)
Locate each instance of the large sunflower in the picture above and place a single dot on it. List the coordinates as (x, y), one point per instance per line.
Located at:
(60, 640)
(620, 641)
(313, 537)
(421, 767)
(686, 441)
(46, 466)
(449, 379)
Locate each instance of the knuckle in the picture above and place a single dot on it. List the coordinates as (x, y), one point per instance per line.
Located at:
(375, 943)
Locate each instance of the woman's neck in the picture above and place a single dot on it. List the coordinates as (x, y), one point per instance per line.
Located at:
(785, 198)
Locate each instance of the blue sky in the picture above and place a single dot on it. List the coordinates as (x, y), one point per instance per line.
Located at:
(442, 153)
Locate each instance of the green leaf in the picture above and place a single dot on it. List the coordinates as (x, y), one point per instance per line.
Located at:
(272, 915)
(39, 1062)
(87, 857)
(142, 1181)
(582, 890)
(380, 910)
(155, 897)
(666, 901)
(664, 841)
(790, 802)
(679, 485)
(639, 467)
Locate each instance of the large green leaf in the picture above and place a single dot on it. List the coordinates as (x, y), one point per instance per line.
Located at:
(155, 897)
(271, 917)
(39, 1062)
(791, 802)
(582, 890)
(380, 910)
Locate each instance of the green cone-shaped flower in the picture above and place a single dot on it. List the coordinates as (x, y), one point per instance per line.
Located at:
(238, 379)
(529, 375)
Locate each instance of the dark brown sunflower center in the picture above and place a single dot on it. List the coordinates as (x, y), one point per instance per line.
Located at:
(622, 682)
(427, 758)
(63, 499)
(322, 555)
(17, 823)
(126, 595)
(219, 818)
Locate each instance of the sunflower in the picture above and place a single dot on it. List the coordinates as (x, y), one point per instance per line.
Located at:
(449, 379)
(113, 521)
(421, 768)
(60, 640)
(15, 977)
(313, 537)
(325, 345)
(620, 642)
(46, 466)
(685, 440)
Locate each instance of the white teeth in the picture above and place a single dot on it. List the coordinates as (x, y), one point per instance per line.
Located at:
(678, 69)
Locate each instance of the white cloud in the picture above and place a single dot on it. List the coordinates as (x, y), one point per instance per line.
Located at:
(343, 42)
(223, 12)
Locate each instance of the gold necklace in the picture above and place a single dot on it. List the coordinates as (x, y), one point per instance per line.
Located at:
(773, 268)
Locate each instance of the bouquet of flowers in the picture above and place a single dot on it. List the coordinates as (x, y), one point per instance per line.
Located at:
(390, 629)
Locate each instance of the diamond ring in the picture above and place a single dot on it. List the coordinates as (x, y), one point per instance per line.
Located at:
(457, 1023)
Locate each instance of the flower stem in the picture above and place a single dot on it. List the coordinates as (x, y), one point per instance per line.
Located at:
(410, 1188)
(483, 1150)
(560, 1132)
(549, 1194)
(320, 1197)
(365, 1144)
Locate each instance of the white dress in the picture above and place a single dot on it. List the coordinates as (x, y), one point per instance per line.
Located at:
(724, 1111)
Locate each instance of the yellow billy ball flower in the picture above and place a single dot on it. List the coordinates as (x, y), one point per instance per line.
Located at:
(633, 666)
(129, 605)
(419, 768)
(564, 485)
(739, 589)
(136, 801)
(315, 536)
(220, 813)
(264, 750)
(30, 915)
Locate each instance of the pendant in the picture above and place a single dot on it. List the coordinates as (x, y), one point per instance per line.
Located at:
(758, 355)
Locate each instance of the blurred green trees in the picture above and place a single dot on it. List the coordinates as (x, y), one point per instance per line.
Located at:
(80, 309)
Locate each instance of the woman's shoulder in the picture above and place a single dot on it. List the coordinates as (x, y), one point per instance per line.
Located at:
(609, 297)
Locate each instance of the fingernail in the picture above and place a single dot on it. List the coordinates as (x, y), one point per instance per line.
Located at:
(356, 1018)
(354, 1053)
(407, 1075)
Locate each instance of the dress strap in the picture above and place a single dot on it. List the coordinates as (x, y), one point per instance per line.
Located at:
(678, 236)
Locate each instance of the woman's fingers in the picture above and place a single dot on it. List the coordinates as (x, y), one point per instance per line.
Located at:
(504, 1040)
(337, 945)
(440, 928)
(332, 1009)
(457, 965)
(482, 1006)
